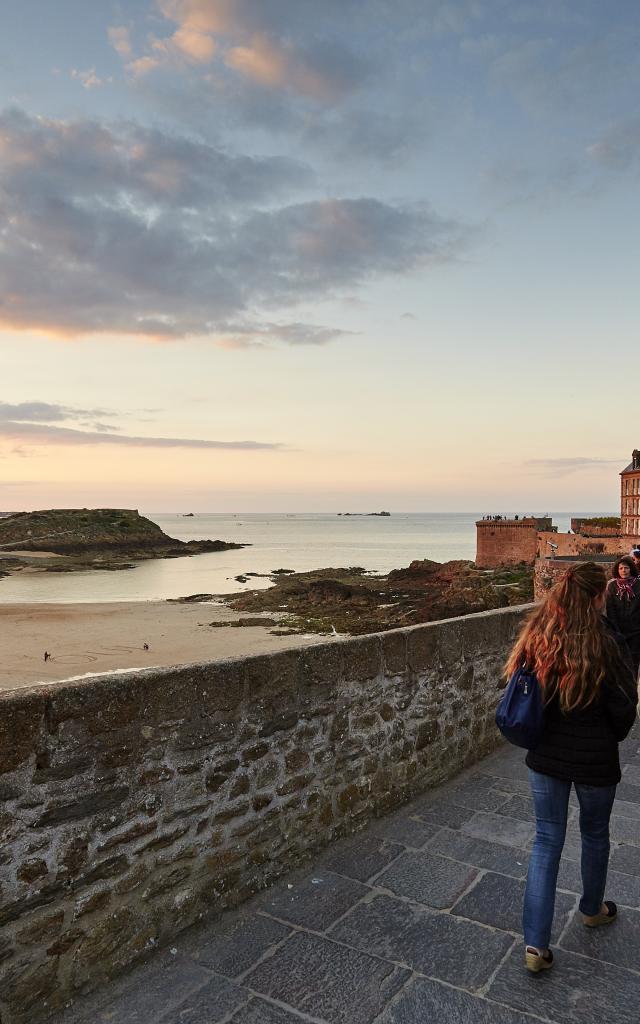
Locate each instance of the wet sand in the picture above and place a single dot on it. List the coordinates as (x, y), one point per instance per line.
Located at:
(101, 637)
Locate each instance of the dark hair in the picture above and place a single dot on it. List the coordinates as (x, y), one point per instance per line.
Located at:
(625, 560)
(566, 642)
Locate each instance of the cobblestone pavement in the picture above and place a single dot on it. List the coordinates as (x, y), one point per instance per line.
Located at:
(416, 919)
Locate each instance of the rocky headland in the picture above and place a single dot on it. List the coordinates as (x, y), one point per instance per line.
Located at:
(64, 540)
(353, 601)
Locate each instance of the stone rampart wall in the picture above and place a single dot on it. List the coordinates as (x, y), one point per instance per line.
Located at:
(505, 543)
(134, 803)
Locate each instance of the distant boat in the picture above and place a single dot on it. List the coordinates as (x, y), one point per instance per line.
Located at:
(187, 515)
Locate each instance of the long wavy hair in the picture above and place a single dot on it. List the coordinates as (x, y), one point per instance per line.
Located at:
(565, 640)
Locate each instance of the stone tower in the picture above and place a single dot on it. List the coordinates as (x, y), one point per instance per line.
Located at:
(630, 497)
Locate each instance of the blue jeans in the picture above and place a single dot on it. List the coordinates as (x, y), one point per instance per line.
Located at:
(551, 802)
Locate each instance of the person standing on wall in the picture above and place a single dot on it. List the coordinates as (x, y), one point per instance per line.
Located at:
(623, 605)
(590, 700)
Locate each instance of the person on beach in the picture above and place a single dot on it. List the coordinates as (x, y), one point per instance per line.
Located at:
(590, 700)
(623, 605)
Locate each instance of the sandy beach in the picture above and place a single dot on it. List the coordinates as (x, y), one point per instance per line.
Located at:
(101, 637)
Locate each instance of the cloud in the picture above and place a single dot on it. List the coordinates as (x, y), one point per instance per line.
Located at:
(36, 433)
(237, 336)
(618, 148)
(120, 39)
(271, 44)
(123, 229)
(45, 412)
(566, 466)
(88, 78)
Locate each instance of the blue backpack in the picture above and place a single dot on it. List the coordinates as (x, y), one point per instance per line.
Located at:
(520, 713)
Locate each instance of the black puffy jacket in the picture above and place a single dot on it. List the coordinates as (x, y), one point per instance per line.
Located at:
(582, 746)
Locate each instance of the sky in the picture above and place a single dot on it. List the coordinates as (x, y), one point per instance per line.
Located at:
(282, 255)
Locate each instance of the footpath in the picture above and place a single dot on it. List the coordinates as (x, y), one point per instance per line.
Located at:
(412, 921)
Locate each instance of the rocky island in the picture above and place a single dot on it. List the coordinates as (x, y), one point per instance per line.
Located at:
(353, 601)
(64, 540)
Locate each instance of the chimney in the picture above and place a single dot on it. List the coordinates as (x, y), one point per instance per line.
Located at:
(635, 458)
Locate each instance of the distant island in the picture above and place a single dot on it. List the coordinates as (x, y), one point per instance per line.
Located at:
(364, 513)
(82, 538)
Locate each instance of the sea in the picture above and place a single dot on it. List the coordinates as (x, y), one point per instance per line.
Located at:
(300, 542)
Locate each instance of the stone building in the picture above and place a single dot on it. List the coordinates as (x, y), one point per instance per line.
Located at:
(535, 541)
(630, 497)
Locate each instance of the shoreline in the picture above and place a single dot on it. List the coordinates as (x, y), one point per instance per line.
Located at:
(97, 637)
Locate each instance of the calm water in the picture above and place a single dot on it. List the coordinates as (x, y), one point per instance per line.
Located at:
(299, 542)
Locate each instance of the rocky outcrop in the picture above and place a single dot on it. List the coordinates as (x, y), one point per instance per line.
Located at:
(88, 536)
(353, 601)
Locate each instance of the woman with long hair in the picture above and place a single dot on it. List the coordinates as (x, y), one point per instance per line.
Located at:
(623, 605)
(590, 702)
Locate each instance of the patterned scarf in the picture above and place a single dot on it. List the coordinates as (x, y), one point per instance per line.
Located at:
(624, 588)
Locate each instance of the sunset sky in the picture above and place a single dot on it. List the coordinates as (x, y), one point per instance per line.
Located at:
(318, 255)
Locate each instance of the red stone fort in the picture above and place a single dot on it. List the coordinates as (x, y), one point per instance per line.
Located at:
(502, 541)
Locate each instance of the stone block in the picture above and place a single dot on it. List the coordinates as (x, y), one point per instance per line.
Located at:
(360, 857)
(238, 940)
(497, 828)
(398, 828)
(21, 725)
(479, 853)
(84, 806)
(497, 901)
(581, 990)
(32, 869)
(422, 649)
(211, 1003)
(362, 659)
(259, 1011)
(279, 723)
(322, 668)
(314, 901)
(394, 652)
(427, 878)
(30, 990)
(328, 981)
(618, 943)
(431, 943)
(430, 1001)
(625, 858)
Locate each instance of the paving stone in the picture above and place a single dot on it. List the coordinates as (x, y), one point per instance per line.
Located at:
(428, 1001)
(631, 774)
(625, 858)
(314, 901)
(441, 812)
(323, 979)
(617, 943)
(233, 943)
(509, 766)
(624, 830)
(360, 857)
(621, 888)
(626, 809)
(432, 943)
(576, 991)
(259, 1011)
(498, 829)
(497, 901)
(520, 807)
(209, 1005)
(502, 785)
(402, 829)
(495, 856)
(476, 792)
(427, 878)
(626, 791)
(145, 993)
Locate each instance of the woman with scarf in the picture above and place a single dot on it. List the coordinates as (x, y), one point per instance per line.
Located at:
(623, 605)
